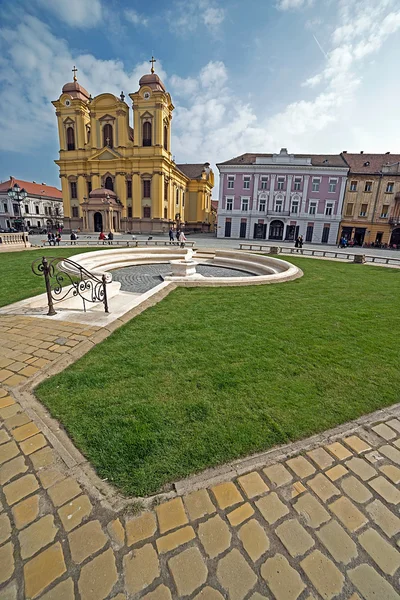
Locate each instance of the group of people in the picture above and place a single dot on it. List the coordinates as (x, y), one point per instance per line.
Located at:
(299, 242)
(54, 239)
(177, 237)
(106, 238)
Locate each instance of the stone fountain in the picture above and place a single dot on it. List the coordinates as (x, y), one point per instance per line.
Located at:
(185, 267)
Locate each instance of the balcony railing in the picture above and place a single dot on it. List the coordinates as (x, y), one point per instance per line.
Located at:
(394, 221)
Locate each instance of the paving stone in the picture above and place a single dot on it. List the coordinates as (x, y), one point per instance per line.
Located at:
(6, 562)
(4, 437)
(98, 577)
(235, 575)
(391, 472)
(32, 444)
(253, 485)
(37, 536)
(301, 466)
(391, 453)
(198, 504)
(18, 489)
(160, 593)
(257, 596)
(63, 491)
(5, 528)
(214, 535)
(271, 508)
(5, 374)
(254, 539)
(284, 582)
(386, 557)
(169, 542)
(394, 424)
(116, 532)
(49, 477)
(294, 537)
(16, 366)
(141, 568)
(73, 513)
(385, 489)
(15, 380)
(42, 458)
(17, 421)
(348, 514)
(241, 514)
(356, 490)
(384, 431)
(171, 515)
(336, 472)
(9, 411)
(278, 475)
(25, 431)
(373, 457)
(357, 444)
(12, 468)
(226, 494)
(140, 528)
(208, 593)
(370, 584)
(86, 540)
(321, 458)
(322, 487)
(6, 401)
(338, 543)
(296, 489)
(26, 511)
(361, 468)
(188, 571)
(384, 518)
(8, 451)
(62, 591)
(9, 592)
(324, 575)
(43, 569)
(312, 512)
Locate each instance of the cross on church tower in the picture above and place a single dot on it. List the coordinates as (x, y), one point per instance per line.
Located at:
(153, 60)
(75, 70)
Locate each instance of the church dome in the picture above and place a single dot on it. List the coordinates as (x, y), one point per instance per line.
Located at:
(103, 194)
(153, 82)
(75, 90)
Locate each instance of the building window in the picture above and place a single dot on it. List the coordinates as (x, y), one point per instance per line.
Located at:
(297, 184)
(146, 188)
(16, 209)
(332, 185)
(243, 228)
(309, 232)
(231, 182)
(264, 183)
(278, 205)
(315, 185)
(246, 183)
(313, 207)
(146, 212)
(108, 135)
(109, 184)
(363, 210)
(129, 188)
(262, 204)
(147, 133)
(229, 203)
(89, 187)
(38, 223)
(281, 183)
(27, 209)
(390, 187)
(295, 207)
(385, 210)
(73, 189)
(165, 190)
(28, 223)
(70, 138)
(325, 234)
(353, 186)
(129, 212)
(5, 207)
(75, 212)
(37, 210)
(245, 204)
(329, 209)
(368, 186)
(228, 228)
(165, 137)
(165, 212)
(177, 197)
(349, 209)
(183, 200)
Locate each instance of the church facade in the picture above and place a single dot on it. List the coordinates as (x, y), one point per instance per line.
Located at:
(118, 177)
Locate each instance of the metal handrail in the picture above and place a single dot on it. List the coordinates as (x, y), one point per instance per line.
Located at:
(61, 272)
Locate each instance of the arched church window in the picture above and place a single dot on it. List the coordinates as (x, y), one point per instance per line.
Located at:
(147, 133)
(165, 213)
(177, 196)
(108, 135)
(109, 184)
(70, 138)
(165, 137)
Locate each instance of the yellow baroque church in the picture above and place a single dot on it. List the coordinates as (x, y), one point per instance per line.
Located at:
(115, 177)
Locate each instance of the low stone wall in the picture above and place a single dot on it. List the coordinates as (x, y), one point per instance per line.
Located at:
(11, 241)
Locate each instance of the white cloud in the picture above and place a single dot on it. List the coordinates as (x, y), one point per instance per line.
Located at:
(187, 15)
(76, 13)
(135, 18)
(293, 4)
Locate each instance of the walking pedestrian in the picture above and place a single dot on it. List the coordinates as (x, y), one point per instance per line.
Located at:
(110, 238)
(182, 239)
(171, 236)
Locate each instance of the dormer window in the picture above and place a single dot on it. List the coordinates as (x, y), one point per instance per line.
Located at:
(70, 138)
(108, 135)
(367, 163)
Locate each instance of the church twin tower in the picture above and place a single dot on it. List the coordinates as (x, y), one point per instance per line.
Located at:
(115, 177)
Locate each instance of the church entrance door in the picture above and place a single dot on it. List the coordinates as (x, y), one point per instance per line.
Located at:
(98, 221)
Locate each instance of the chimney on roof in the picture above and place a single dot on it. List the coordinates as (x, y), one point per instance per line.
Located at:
(43, 183)
(362, 152)
(33, 181)
(344, 152)
(387, 152)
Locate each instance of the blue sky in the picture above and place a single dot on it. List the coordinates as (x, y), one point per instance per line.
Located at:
(255, 76)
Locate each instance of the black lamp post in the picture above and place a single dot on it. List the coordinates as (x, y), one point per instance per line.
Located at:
(16, 194)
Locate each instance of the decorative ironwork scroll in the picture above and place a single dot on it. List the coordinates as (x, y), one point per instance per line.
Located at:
(64, 278)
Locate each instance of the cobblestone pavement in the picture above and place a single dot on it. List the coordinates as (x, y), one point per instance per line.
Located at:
(323, 523)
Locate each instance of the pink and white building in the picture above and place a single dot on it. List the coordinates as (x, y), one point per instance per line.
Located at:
(281, 196)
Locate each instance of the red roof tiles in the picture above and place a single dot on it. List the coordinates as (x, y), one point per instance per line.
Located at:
(33, 189)
(369, 163)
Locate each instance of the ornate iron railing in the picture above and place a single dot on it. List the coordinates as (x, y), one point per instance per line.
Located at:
(64, 278)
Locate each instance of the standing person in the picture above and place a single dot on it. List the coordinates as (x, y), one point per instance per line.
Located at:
(102, 237)
(296, 243)
(178, 231)
(49, 237)
(182, 239)
(171, 236)
(58, 239)
(73, 237)
(110, 238)
(53, 239)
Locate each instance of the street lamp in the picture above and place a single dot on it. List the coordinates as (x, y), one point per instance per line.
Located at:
(16, 194)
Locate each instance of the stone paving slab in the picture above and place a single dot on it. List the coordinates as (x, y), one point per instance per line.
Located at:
(322, 523)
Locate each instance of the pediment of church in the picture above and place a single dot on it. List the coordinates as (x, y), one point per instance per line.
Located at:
(105, 154)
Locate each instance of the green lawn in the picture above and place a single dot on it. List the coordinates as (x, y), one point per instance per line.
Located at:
(208, 375)
(17, 280)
